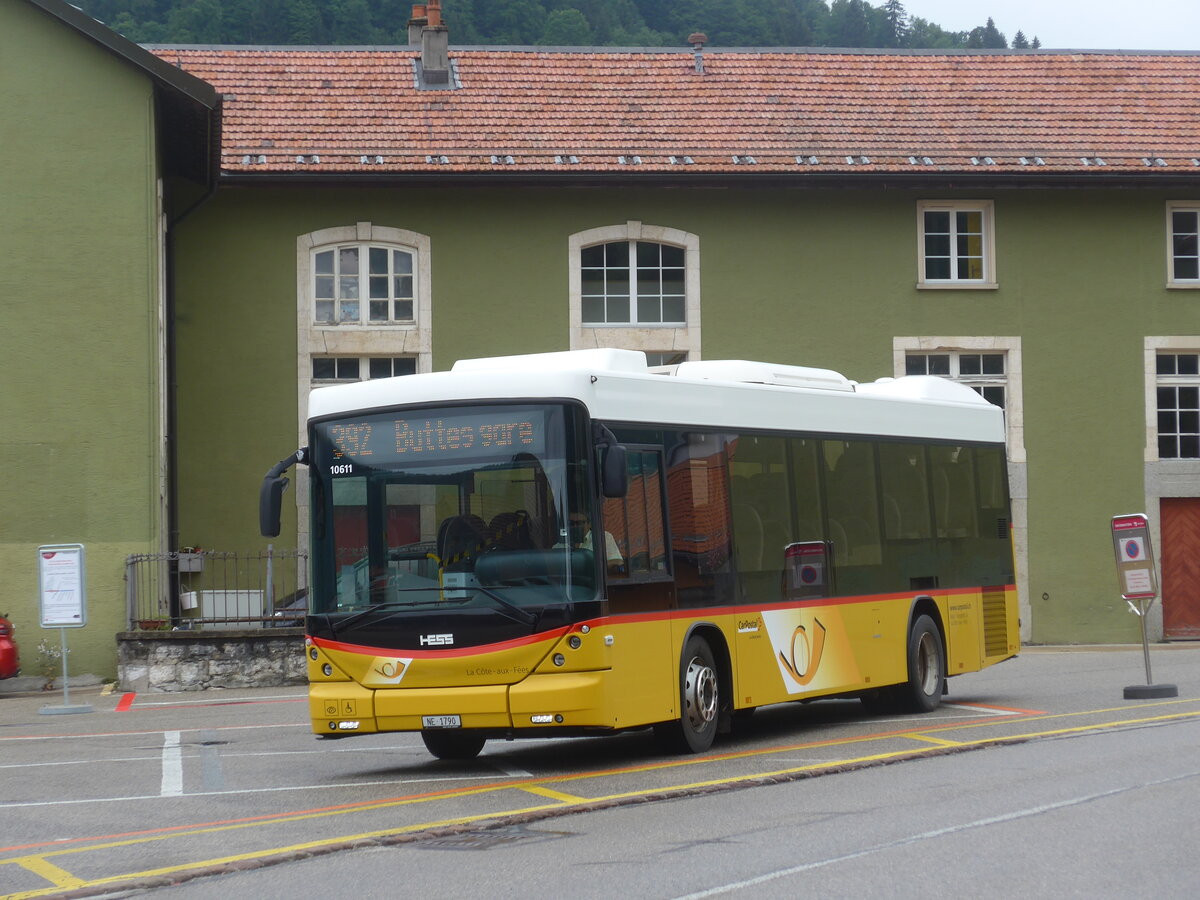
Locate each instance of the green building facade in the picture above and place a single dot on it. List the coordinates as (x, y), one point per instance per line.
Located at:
(86, 182)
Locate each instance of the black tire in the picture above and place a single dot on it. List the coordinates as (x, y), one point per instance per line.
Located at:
(457, 745)
(926, 668)
(699, 701)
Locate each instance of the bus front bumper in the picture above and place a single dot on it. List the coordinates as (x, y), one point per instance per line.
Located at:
(550, 701)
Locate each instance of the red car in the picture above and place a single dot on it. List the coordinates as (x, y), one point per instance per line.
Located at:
(10, 656)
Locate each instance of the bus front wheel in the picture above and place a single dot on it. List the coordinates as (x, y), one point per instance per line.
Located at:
(452, 744)
(926, 667)
(699, 701)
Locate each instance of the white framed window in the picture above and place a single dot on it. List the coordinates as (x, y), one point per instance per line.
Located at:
(363, 310)
(335, 369)
(1177, 404)
(1183, 244)
(956, 245)
(363, 284)
(1172, 385)
(984, 373)
(632, 283)
(635, 287)
(990, 365)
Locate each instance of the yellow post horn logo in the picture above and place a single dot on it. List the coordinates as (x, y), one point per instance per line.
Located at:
(804, 673)
(391, 669)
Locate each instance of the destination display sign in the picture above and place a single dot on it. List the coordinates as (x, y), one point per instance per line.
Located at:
(444, 435)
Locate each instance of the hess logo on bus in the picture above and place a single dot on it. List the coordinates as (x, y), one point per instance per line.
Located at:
(437, 640)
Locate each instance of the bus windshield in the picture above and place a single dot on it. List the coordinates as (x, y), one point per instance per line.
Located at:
(436, 509)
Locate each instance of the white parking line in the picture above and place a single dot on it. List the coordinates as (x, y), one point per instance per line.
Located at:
(172, 765)
(274, 790)
(988, 710)
(119, 734)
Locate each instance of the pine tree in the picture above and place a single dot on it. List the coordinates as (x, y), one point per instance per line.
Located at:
(896, 17)
(993, 38)
(1036, 44)
(1019, 41)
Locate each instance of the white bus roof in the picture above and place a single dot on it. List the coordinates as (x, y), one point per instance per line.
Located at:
(617, 386)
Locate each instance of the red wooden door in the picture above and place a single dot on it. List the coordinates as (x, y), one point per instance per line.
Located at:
(1180, 518)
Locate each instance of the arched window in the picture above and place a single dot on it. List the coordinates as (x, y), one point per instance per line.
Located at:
(363, 307)
(363, 284)
(636, 287)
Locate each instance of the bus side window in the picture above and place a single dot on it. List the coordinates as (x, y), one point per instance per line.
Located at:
(905, 491)
(698, 499)
(761, 511)
(635, 521)
(954, 506)
(806, 490)
(853, 504)
(994, 560)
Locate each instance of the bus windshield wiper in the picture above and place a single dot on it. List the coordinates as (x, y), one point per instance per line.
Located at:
(376, 607)
(524, 616)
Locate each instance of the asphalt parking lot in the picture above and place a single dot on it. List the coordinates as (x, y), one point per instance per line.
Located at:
(153, 789)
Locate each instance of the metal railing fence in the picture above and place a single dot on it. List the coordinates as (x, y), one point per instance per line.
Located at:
(216, 589)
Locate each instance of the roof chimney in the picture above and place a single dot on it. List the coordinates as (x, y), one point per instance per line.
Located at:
(417, 24)
(435, 48)
(698, 40)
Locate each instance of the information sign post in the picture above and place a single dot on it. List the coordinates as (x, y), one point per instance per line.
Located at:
(1138, 582)
(63, 604)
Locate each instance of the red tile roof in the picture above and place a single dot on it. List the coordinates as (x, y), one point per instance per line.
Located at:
(330, 110)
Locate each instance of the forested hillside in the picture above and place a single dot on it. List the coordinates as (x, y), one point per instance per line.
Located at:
(638, 23)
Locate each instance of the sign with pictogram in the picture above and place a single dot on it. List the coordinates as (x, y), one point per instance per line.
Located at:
(1135, 557)
(806, 569)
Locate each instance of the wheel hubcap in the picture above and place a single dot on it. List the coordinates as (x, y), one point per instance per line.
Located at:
(700, 694)
(929, 664)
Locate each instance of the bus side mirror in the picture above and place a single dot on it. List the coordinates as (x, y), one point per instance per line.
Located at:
(270, 495)
(614, 477)
(270, 504)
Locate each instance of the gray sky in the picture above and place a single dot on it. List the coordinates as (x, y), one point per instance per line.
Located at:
(1074, 24)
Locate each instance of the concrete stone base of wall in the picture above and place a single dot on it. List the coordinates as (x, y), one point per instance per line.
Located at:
(198, 660)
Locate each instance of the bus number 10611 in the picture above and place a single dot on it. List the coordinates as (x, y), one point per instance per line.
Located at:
(341, 469)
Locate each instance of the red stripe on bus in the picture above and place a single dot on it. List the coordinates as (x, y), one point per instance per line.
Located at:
(442, 654)
(662, 615)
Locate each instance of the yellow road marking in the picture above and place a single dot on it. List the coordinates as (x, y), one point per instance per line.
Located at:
(563, 798)
(60, 878)
(930, 739)
(552, 794)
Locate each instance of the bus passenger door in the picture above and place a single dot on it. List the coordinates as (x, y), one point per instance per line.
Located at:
(641, 591)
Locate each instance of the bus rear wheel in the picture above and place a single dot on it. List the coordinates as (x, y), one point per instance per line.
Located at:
(452, 744)
(926, 668)
(699, 701)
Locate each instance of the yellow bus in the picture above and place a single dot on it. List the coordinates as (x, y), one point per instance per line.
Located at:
(573, 543)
